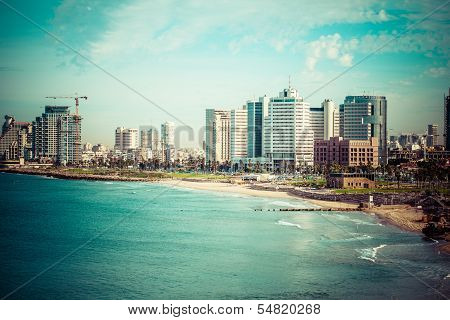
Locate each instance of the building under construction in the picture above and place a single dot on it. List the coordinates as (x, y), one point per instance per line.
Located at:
(15, 140)
(57, 136)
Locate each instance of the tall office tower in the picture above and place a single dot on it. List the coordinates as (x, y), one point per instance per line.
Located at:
(168, 141)
(325, 121)
(257, 111)
(150, 139)
(365, 117)
(57, 136)
(15, 140)
(447, 121)
(289, 139)
(217, 135)
(432, 135)
(126, 139)
(238, 135)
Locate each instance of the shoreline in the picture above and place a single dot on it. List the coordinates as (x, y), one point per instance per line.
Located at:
(404, 217)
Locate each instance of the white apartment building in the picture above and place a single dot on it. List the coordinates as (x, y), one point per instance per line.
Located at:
(238, 135)
(325, 120)
(217, 135)
(126, 139)
(288, 134)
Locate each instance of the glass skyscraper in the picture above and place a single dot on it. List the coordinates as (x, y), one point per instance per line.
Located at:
(257, 110)
(365, 117)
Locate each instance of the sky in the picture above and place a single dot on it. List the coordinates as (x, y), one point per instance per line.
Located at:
(186, 56)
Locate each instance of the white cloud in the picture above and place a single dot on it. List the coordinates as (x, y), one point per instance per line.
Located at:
(164, 26)
(330, 47)
(437, 72)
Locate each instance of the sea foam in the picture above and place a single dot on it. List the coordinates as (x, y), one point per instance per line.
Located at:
(370, 253)
(288, 224)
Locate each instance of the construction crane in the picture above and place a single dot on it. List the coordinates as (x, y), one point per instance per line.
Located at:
(77, 120)
(77, 98)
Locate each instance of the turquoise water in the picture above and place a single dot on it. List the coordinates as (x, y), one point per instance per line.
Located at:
(153, 241)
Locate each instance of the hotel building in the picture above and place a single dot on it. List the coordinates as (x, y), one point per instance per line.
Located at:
(346, 152)
(288, 136)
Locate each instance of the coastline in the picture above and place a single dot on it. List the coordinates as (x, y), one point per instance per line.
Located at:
(404, 217)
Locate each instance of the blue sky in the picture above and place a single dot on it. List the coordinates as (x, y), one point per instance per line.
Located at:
(190, 55)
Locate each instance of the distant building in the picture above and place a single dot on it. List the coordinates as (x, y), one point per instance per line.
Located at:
(126, 139)
(217, 135)
(325, 120)
(349, 153)
(57, 136)
(288, 136)
(257, 111)
(87, 146)
(238, 135)
(447, 121)
(168, 141)
(432, 135)
(150, 139)
(365, 117)
(15, 140)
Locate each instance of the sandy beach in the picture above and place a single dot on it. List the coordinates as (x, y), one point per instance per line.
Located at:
(227, 187)
(402, 216)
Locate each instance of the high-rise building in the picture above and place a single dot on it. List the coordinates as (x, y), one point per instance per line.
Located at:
(365, 117)
(150, 139)
(15, 140)
(447, 121)
(217, 135)
(168, 141)
(257, 111)
(57, 136)
(288, 136)
(168, 133)
(238, 135)
(432, 135)
(126, 139)
(325, 121)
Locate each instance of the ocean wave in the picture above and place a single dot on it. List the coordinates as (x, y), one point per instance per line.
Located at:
(287, 204)
(288, 224)
(356, 238)
(109, 182)
(370, 254)
(350, 219)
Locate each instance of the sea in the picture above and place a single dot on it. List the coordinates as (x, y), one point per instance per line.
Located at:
(75, 239)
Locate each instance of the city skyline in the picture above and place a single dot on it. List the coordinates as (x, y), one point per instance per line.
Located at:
(187, 60)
